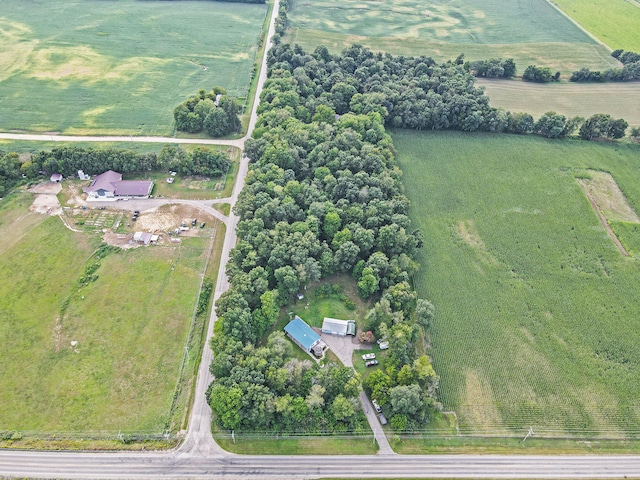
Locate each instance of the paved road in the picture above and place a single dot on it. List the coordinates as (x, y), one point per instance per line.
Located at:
(128, 138)
(175, 465)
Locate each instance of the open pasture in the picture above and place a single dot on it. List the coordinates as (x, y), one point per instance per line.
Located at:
(614, 22)
(570, 99)
(536, 308)
(92, 67)
(91, 356)
(530, 32)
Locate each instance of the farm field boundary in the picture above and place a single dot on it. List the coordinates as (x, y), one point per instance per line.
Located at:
(570, 99)
(615, 22)
(68, 66)
(93, 341)
(534, 302)
(445, 30)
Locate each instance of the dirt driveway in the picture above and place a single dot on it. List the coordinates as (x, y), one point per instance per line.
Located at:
(343, 347)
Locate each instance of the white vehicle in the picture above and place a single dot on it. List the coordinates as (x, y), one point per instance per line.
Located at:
(384, 345)
(368, 356)
(376, 406)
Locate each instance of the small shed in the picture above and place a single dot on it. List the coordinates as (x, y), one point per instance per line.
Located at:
(302, 334)
(335, 326)
(145, 237)
(56, 178)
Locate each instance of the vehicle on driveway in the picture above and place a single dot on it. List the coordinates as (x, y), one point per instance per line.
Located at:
(383, 419)
(368, 356)
(371, 363)
(376, 406)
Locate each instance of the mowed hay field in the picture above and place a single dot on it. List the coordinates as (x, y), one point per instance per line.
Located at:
(536, 309)
(620, 100)
(130, 325)
(614, 22)
(95, 67)
(532, 32)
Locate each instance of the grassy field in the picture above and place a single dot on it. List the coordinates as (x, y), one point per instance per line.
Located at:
(130, 325)
(569, 99)
(535, 305)
(530, 32)
(89, 67)
(614, 22)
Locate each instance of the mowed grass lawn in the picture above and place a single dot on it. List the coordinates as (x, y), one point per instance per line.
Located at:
(537, 312)
(615, 22)
(531, 32)
(131, 325)
(94, 67)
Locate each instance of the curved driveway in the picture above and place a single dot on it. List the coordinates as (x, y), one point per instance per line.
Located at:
(200, 457)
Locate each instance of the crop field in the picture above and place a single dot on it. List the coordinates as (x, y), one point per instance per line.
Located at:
(92, 67)
(570, 99)
(536, 308)
(614, 22)
(530, 32)
(97, 355)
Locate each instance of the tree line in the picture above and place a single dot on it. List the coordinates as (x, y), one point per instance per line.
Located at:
(214, 112)
(629, 72)
(93, 161)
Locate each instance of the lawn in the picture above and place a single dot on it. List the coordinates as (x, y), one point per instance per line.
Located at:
(92, 67)
(570, 99)
(612, 21)
(530, 32)
(535, 306)
(130, 325)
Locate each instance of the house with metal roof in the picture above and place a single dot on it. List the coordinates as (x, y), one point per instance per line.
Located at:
(304, 336)
(334, 326)
(110, 184)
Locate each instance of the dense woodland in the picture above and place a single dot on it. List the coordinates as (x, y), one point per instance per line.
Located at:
(68, 160)
(323, 196)
(214, 112)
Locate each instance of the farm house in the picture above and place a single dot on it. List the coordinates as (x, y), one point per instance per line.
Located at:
(304, 336)
(110, 184)
(335, 326)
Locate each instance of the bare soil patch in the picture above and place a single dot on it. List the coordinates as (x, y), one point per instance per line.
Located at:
(609, 198)
(609, 203)
(45, 201)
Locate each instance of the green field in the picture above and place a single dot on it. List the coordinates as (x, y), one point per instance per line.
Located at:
(614, 22)
(530, 32)
(570, 99)
(536, 310)
(94, 67)
(131, 325)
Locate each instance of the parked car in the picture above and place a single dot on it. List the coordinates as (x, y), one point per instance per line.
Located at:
(384, 345)
(380, 340)
(137, 212)
(371, 363)
(193, 222)
(368, 356)
(376, 406)
(383, 419)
